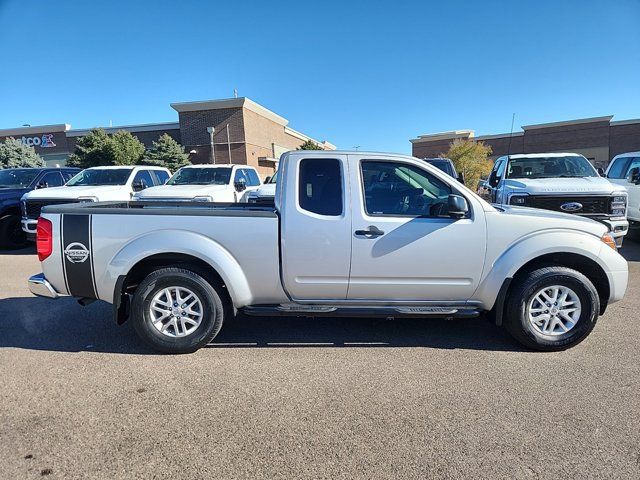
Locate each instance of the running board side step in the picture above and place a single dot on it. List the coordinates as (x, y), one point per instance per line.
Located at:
(299, 310)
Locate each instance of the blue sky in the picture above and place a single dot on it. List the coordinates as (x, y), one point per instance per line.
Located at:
(366, 73)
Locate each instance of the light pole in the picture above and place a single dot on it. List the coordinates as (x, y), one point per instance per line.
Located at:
(211, 131)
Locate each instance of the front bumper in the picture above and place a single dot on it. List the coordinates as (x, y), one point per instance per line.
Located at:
(29, 226)
(618, 228)
(38, 285)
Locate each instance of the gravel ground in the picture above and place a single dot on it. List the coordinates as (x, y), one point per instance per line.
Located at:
(301, 398)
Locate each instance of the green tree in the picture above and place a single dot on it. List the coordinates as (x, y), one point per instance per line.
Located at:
(471, 159)
(166, 152)
(310, 145)
(14, 154)
(98, 148)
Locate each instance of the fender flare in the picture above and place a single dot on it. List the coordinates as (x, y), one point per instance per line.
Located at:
(529, 248)
(179, 242)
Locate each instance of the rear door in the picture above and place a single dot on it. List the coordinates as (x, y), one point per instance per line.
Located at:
(316, 228)
(405, 248)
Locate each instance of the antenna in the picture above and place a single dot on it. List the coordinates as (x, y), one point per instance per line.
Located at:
(513, 117)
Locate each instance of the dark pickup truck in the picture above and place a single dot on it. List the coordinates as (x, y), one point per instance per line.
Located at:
(14, 183)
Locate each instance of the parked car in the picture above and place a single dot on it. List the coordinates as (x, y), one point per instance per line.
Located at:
(264, 194)
(351, 233)
(447, 166)
(14, 183)
(205, 183)
(564, 182)
(113, 183)
(624, 170)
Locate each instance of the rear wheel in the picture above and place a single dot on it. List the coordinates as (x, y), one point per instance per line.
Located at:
(552, 308)
(11, 234)
(175, 310)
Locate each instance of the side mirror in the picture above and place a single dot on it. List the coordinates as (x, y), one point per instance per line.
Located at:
(241, 185)
(268, 179)
(457, 206)
(601, 172)
(42, 184)
(634, 176)
(461, 178)
(493, 179)
(138, 185)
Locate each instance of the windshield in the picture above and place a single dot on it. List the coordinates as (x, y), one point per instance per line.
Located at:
(201, 176)
(273, 179)
(17, 177)
(443, 165)
(551, 167)
(100, 176)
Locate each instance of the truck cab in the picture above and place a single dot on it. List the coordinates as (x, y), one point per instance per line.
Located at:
(93, 184)
(564, 182)
(624, 170)
(222, 183)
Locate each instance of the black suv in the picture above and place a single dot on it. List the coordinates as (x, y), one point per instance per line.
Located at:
(15, 182)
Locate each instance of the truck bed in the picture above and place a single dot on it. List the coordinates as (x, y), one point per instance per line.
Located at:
(114, 236)
(164, 207)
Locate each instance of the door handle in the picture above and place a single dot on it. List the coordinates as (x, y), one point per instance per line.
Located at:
(372, 231)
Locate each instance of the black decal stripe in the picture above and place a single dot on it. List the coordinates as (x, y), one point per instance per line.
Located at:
(64, 266)
(93, 271)
(78, 267)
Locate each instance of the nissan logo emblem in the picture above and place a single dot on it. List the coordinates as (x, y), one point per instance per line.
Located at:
(571, 207)
(76, 252)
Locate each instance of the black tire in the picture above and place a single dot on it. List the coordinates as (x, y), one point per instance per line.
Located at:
(11, 234)
(516, 318)
(213, 310)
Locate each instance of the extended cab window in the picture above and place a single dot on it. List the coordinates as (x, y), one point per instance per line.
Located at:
(320, 186)
(142, 180)
(252, 175)
(393, 188)
(161, 176)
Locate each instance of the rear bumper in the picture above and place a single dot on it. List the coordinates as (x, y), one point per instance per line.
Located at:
(38, 285)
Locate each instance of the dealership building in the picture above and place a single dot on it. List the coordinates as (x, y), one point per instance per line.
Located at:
(233, 130)
(599, 139)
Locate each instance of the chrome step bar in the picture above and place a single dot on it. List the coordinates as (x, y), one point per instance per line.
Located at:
(400, 311)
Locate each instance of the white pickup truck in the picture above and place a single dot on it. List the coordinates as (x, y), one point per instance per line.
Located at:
(93, 184)
(624, 170)
(205, 183)
(352, 234)
(564, 182)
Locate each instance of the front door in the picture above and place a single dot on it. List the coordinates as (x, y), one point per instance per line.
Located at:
(404, 246)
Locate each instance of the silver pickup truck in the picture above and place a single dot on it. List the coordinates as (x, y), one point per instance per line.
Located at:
(351, 234)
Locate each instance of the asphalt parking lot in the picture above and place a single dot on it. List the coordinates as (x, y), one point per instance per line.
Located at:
(301, 398)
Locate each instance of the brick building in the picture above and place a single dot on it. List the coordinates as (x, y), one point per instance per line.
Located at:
(244, 132)
(599, 139)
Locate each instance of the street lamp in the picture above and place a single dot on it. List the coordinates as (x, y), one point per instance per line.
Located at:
(211, 131)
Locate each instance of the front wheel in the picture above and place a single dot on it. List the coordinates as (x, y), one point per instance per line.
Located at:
(175, 310)
(552, 308)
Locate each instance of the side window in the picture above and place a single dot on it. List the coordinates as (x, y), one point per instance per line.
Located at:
(252, 175)
(399, 189)
(617, 169)
(634, 163)
(51, 179)
(240, 175)
(142, 180)
(500, 169)
(320, 186)
(161, 176)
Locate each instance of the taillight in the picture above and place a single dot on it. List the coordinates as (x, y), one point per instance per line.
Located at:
(44, 238)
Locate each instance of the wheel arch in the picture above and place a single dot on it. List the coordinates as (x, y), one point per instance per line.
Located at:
(172, 248)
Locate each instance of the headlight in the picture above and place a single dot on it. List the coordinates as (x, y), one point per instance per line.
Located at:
(203, 198)
(618, 205)
(87, 199)
(518, 200)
